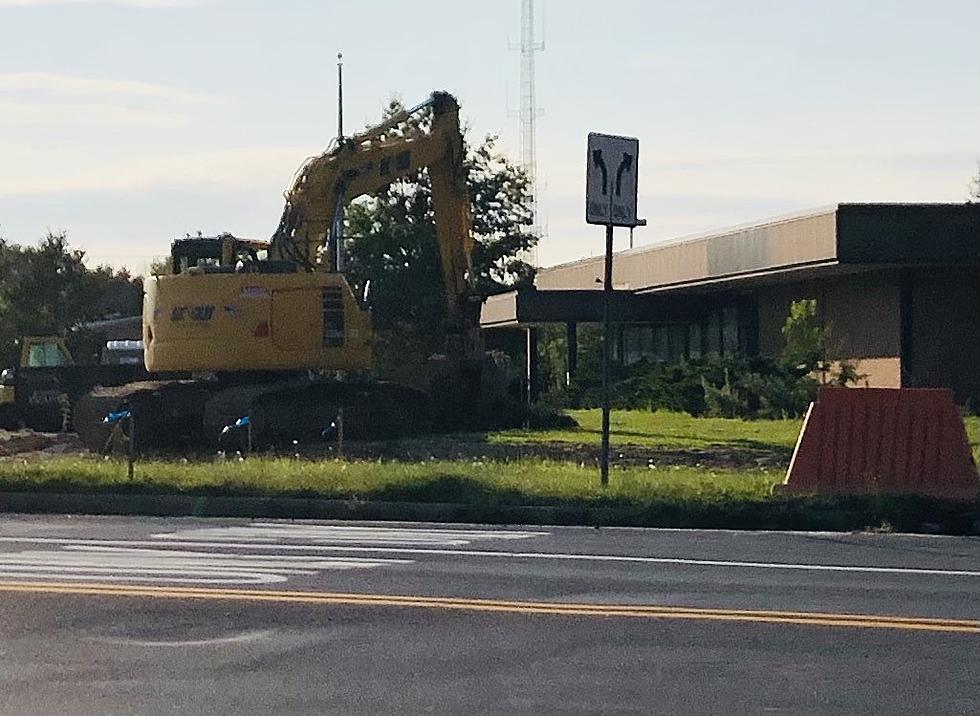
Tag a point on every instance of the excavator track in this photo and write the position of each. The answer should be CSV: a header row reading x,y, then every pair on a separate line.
x,y
191,414
166,414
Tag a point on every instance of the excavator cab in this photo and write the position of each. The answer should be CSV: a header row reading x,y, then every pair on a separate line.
x,y
217,254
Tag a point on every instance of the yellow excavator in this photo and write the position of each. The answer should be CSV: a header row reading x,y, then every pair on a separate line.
x,y
261,331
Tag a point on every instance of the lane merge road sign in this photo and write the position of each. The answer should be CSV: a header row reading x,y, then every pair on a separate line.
x,y
610,180
612,164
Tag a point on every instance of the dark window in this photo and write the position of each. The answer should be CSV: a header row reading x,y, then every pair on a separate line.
x,y
646,342
333,317
632,344
729,330
661,344
712,341
678,342
694,341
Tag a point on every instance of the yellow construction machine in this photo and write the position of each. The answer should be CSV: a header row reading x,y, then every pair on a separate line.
x,y
261,331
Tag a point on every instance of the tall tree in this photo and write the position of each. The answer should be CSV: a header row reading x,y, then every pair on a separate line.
x,y
393,250
47,289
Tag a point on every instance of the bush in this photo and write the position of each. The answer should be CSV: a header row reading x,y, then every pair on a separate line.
x,y
732,387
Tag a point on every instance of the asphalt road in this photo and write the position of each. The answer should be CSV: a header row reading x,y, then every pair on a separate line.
x,y
153,616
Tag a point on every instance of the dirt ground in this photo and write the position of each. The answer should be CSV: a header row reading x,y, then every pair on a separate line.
x,y
452,448
25,444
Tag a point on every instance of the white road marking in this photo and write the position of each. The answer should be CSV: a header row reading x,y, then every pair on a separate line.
x,y
333,534
131,564
558,556
213,562
218,641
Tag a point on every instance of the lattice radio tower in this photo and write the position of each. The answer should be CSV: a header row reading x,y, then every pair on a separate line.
x,y
528,114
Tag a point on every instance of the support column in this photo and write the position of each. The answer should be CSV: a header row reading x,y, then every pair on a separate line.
x,y
530,364
571,352
907,370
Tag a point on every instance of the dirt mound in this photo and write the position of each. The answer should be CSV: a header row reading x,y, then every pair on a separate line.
x,y
452,448
22,442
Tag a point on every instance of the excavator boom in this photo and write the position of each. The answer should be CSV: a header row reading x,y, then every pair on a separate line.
x,y
370,161
295,310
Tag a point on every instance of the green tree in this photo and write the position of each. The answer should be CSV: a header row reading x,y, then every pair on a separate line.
x,y
808,346
806,337
47,289
393,255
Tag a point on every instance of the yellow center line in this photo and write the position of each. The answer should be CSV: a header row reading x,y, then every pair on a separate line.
x,y
863,621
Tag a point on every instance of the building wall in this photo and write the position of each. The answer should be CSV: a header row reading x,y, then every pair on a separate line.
x,y
944,330
863,310
941,307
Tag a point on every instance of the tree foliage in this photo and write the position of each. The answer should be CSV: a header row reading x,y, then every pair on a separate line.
x,y
393,251
806,337
47,289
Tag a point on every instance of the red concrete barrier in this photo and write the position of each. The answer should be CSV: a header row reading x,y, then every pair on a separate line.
x,y
883,441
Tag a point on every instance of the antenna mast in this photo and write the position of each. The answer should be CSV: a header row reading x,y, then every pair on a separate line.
x,y
340,95
529,113
335,241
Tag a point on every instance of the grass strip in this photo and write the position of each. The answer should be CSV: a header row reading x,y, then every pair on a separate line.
x,y
673,497
665,429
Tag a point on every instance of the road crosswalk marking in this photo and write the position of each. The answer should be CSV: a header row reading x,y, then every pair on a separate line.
x,y
342,534
81,562
214,555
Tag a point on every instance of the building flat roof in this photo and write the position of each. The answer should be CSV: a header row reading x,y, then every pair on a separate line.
x,y
854,234
834,240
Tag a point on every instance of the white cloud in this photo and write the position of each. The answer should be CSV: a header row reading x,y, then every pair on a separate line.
x,y
34,114
71,86
136,3
28,173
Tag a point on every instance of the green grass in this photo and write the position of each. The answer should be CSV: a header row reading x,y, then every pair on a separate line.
x,y
519,482
680,431
493,492
664,429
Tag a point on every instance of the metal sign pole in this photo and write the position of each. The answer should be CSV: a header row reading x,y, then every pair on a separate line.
x,y
610,200
607,288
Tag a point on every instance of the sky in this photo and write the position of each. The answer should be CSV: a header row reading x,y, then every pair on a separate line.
x,y
130,122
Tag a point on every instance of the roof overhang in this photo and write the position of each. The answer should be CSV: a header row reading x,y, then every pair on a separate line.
x,y
835,239
528,307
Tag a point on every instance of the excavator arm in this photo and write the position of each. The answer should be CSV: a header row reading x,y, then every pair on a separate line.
x,y
368,162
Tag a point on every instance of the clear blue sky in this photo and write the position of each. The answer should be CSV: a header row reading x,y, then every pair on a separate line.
x,y
129,122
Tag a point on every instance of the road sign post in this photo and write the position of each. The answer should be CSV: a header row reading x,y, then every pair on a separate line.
x,y
610,199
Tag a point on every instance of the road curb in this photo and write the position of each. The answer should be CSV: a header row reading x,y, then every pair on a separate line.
x,y
300,508
773,518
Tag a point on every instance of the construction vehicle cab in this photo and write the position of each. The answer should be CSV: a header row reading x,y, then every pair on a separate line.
x,y
44,352
216,254
41,391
